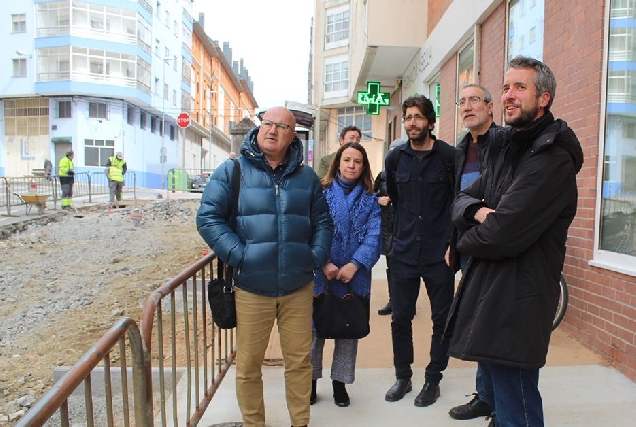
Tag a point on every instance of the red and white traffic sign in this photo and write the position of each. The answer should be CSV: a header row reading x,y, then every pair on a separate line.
x,y
183,120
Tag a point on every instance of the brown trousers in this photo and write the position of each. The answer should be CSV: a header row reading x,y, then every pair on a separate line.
x,y
255,315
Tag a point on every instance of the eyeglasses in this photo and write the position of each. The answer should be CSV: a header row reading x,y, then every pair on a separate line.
x,y
416,117
474,100
266,124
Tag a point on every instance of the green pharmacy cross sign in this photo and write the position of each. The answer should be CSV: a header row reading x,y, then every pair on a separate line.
x,y
373,98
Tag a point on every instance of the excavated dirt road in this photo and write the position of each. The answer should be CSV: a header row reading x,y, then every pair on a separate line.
x,y
63,284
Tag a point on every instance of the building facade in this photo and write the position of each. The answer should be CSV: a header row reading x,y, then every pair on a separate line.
x,y
100,77
591,47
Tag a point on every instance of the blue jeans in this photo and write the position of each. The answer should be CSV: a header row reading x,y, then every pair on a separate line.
x,y
405,288
513,394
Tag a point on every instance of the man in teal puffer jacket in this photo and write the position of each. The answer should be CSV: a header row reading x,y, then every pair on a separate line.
x,y
283,233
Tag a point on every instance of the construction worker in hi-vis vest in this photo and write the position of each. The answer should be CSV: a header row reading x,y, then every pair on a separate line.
x,y
66,175
115,170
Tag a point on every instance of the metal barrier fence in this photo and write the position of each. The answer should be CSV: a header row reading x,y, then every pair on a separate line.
x,y
187,342
176,334
86,184
57,398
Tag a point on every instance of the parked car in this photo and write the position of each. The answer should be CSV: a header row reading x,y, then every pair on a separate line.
x,y
198,182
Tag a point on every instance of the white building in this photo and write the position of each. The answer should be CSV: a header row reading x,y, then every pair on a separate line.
x,y
97,79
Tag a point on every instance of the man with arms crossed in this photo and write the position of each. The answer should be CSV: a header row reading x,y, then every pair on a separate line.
x,y
515,220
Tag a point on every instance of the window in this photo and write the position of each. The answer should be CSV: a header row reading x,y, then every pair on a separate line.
x,y
166,90
465,74
26,116
142,120
617,233
623,9
354,116
337,77
174,97
130,115
337,25
97,67
525,33
97,151
19,67
63,109
622,44
97,110
18,23
173,133
153,124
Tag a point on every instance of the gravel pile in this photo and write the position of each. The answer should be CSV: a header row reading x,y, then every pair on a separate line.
x,y
78,264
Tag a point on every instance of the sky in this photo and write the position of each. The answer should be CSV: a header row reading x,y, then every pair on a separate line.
x,y
273,39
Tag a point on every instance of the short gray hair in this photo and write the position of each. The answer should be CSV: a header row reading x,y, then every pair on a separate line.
x,y
544,79
487,95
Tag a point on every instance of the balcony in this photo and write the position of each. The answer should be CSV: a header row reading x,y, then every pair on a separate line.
x,y
390,36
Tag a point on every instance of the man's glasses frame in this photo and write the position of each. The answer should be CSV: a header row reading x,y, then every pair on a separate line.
x,y
474,100
266,124
416,117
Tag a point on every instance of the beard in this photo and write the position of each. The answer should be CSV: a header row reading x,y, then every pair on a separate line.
x,y
526,117
418,139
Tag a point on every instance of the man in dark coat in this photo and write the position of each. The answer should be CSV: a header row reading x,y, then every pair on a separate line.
x,y
515,220
474,152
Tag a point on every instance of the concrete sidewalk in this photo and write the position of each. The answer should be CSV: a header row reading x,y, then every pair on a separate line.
x,y
578,389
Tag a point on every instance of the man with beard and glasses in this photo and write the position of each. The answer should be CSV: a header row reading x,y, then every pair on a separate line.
x,y
515,219
420,184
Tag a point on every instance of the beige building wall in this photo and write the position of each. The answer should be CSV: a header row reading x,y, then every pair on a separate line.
x,y
372,25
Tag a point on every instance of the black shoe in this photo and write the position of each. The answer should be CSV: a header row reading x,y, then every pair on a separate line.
x,y
473,409
340,395
387,309
492,421
313,397
428,395
398,390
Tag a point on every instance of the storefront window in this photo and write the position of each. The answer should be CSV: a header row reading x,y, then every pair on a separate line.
x,y
618,203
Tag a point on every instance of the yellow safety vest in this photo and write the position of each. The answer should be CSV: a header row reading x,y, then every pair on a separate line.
x,y
66,165
116,170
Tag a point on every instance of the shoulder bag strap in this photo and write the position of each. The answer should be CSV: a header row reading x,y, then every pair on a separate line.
x,y
236,187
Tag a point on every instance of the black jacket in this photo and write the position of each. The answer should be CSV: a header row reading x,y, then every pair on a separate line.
x,y
494,137
506,301
421,193
379,187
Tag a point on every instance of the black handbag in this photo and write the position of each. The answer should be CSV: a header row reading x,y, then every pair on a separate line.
x,y
341,316
221,289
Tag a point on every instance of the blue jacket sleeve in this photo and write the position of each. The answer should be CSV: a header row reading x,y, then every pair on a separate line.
x,y
322,225
213,217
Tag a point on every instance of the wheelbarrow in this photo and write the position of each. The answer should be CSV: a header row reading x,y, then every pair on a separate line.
x,y
30,200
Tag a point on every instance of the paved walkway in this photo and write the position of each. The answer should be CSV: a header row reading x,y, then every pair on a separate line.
x,y
578,388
